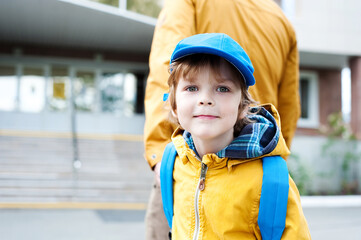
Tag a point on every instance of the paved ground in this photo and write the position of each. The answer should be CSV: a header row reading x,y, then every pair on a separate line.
x,y
81,224
334,223
20,224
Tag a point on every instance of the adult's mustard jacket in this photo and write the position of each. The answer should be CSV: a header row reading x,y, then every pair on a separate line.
x,y
259,26
227,205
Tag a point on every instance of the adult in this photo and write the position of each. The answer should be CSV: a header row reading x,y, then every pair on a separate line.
x,y
262,30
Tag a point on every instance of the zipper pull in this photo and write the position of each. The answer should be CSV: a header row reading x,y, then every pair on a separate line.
x,y
202,182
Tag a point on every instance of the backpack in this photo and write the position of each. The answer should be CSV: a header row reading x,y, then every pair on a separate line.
x,y
274,193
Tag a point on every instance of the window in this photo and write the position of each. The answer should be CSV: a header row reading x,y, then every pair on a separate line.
x,y
130,93
118,92
111,92
146,7
8,88
309,100
288,7
279,2
58,91
305,98
84,91
37,87
32,90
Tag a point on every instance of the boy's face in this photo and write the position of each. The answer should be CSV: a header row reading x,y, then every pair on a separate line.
x,y
208,107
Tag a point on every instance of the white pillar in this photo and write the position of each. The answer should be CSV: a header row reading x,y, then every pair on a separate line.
x,y
123,4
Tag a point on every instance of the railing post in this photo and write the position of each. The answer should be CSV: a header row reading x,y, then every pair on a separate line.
x,y
123,4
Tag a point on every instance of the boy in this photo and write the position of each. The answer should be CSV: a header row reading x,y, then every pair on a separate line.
x,y
220,143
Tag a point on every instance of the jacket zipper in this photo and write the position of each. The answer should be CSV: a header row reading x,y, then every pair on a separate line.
x,y
200,187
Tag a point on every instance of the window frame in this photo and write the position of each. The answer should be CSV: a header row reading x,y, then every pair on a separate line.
x,y
313,108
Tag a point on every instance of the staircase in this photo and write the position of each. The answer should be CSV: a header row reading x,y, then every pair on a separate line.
x,y
40,169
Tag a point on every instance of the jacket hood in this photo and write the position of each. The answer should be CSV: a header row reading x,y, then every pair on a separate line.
x,y
260,138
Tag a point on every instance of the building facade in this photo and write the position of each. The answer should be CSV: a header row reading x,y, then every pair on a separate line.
x,y
58,58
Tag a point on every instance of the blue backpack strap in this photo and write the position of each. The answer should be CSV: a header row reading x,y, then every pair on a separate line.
x,y
274,198
166,181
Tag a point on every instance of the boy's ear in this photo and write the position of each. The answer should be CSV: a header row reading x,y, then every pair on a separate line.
x,y
174,113
242,114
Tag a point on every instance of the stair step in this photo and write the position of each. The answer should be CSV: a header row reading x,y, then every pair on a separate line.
x,y
34,169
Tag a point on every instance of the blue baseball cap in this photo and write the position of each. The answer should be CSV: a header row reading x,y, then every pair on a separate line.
x,y
219,44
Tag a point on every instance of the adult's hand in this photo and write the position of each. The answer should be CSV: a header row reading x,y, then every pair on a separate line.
x,y
157,171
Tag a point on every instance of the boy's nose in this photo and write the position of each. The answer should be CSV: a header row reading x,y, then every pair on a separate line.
x,y
205,102
206,99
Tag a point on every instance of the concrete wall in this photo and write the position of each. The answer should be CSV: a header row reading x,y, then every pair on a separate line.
x,y
88,123
326,26
319,172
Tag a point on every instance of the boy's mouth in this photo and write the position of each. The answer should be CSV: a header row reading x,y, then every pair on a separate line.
x,y
206,117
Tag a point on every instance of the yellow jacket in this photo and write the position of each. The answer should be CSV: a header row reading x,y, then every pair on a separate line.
x,y
227,207
261,29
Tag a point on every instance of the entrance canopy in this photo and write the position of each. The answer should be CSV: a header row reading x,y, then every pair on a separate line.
x,y
75,24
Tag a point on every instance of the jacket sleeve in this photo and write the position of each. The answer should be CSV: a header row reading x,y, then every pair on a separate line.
x,y
296,224
288,95
176,21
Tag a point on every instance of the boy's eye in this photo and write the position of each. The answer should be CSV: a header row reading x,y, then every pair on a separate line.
x,y
192,89
222,89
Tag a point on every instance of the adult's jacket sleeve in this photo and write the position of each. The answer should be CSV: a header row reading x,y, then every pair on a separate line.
x,y
176,21
288,96
296,224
